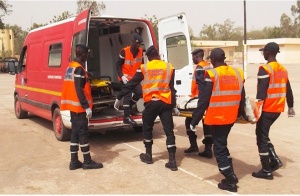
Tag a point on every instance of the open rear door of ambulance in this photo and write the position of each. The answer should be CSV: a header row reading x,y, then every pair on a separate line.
x,y
175,47
81,29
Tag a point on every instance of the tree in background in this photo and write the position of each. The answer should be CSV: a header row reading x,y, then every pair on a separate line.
x,y
223,32
96,8
4,10
154,22
63,16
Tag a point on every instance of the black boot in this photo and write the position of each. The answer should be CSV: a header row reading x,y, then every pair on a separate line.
x,y
265,172
91,165
193,141
88,163
229,183
207,153
275,162
147,157
172,162
127,119
75,163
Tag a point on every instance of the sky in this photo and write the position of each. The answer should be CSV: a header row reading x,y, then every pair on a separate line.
x,y
259,13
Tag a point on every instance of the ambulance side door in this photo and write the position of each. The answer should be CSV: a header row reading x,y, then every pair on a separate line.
x,y
175,47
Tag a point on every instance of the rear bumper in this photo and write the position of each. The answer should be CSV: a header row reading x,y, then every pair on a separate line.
x,y
108,123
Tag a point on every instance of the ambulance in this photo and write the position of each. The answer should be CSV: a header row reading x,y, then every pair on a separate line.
x,y
48,50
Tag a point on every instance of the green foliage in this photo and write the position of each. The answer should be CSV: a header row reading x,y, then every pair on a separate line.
x,y
223,32
154,22
95,7
36,25
4,10
63,16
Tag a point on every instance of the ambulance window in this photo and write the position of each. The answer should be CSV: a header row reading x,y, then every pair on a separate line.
x,y
23,58
177,51
78,38
55,54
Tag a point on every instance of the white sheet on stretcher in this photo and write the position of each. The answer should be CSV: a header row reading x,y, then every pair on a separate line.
x,y
186,103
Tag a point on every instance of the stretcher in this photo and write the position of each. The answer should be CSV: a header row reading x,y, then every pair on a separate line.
x,y
186,106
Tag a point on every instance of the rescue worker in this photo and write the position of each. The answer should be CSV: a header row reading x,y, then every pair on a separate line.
x,y
129,60
197,87
76,97
159,95
273,89
223,99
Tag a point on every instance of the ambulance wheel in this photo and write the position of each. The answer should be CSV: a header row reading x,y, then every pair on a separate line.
x,y
60,131
19,112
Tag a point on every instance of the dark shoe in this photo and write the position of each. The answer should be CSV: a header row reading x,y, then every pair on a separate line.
x,y
227,185
206,153
129,120
75,165
146,158
191,150
263,174
234,179
91,165
171,165
275,165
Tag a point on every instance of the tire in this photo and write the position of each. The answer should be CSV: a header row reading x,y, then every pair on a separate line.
x,y
60,131
19,112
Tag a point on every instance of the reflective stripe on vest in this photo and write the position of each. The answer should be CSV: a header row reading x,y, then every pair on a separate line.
x,y
276,93
226,95
131,64
194,87
157,76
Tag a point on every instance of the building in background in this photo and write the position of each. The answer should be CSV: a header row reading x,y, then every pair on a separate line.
x,y
289,50
6,43
227,46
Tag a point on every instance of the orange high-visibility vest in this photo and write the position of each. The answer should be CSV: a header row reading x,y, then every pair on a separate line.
x,y
194,89
155,85
69,98
276,93
131,64
226,95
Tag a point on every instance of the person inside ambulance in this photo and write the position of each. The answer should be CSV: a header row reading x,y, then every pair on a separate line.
x,y
77,98
159,94
129,60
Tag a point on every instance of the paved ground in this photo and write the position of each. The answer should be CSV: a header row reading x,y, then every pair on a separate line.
x,y
34,162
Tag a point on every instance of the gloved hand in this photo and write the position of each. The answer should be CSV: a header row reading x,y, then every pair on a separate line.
x,y
124,79
291,112
117,104
88,113
176,112
258,108
193,128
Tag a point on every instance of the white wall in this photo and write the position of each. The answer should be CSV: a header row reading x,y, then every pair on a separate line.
x,y
289,50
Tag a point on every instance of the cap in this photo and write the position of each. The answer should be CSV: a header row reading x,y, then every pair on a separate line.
x,y
150,49
217,53
83,47
271,47
197,51
137,38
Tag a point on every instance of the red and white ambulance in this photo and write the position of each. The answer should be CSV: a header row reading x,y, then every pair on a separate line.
x,y
48,50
